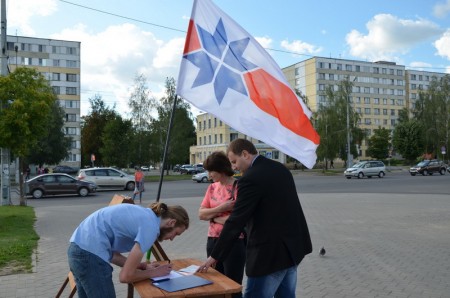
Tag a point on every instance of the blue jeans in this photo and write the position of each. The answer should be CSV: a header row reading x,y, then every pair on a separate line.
x,y
280,284
93,276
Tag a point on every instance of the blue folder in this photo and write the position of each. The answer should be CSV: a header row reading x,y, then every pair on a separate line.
x,y
182,283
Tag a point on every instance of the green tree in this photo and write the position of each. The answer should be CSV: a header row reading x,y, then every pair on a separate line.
x,y
183,130
92,129
379,143
115,151
432,110
53,147
331,124
142,105
28,98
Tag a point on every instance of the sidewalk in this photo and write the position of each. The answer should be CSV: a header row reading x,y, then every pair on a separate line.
x,y
377,246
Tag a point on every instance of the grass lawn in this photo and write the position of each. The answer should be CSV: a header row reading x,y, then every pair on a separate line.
x,y
18,239
174,177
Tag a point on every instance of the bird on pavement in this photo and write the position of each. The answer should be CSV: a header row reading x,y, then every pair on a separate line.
x,y
322,252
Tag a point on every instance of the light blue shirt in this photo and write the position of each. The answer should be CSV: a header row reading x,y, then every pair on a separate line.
x,y
116,229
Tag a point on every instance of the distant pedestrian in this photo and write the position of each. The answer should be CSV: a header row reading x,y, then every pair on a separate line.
x,y
331,164
139,184
27,173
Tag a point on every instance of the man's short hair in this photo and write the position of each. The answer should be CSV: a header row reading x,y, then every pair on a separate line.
x,y
239,145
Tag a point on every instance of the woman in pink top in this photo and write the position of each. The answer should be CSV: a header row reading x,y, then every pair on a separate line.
x,y
216,208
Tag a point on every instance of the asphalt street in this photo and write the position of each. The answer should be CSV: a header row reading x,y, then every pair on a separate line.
x,y
383,237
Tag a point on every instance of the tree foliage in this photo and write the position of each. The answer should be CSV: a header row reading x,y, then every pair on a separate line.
x,y
432,110
93,126
379,143
27,101
115,150
53,147
331,123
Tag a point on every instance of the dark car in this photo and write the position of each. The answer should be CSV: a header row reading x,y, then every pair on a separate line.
x,y
190,170
65,169
58,184
428,167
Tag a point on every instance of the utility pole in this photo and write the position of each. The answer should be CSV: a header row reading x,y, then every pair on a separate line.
x,y
349,154
5,191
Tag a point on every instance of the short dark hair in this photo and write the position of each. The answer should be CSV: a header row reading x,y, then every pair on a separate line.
x,y
239,145
218,162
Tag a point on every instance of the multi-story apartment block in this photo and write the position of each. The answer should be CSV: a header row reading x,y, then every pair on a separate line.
x,y
59,62
380,89
214,135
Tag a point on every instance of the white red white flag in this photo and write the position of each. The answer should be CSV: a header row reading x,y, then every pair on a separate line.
x,y
226,72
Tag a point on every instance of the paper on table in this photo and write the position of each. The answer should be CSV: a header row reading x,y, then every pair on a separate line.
x,y
189,269
173,274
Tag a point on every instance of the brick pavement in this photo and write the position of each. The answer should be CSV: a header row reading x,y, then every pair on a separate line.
x,y
377,246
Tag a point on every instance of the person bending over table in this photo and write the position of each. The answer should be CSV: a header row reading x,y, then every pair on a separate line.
x,y
104,235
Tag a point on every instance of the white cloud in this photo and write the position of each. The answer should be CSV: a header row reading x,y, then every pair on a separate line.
x,y
111,59
443,45
441,10
420,65
265,42
20,13
389,36
300,47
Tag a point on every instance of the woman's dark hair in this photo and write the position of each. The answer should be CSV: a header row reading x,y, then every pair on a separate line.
x,y
175,212
218,162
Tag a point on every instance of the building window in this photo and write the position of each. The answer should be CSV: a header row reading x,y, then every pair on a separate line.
x,y
367,111
385,101
56,90
209,124
233,136
296,71
204,125
331,77
357,99
367,121
41,48
385,112
392,112
209,138
71,63
366,89
42,62
367,100
357,68
348,67
392,122
399,72
71,117
199,125
204,140
339,66
276,154
321,87
71,131
413,77
55,62
71,77
71,90
384,71
55,76
220,123
215,139
74,145
199,140
71,50
358,110
71,157
376,101
376,70
376,111
321,76
72,104
392,101
25,47
221,139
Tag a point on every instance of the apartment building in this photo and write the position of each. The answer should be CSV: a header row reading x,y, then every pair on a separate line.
x,y
215,135
380,89
59,62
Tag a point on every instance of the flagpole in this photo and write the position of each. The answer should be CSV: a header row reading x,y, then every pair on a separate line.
x,y
166,147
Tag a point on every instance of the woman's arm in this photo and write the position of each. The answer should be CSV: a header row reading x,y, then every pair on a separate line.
x,y
210,213
132,268
221,219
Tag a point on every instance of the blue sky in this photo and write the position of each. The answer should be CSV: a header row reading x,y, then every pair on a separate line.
x,y
414,33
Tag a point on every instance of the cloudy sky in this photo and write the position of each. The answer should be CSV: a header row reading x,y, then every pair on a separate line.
x,y
120,39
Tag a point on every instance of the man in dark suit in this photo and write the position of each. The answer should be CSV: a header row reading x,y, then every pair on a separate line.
x,y
268,206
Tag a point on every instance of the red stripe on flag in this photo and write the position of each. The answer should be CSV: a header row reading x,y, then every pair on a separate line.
x,y
278,100
192,42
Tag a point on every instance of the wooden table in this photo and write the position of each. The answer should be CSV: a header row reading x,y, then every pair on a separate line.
x,y
222,286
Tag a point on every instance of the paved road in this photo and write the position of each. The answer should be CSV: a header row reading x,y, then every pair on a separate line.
x,y
384,237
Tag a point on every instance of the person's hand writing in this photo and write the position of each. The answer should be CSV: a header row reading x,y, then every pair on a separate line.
x,y
160,269
209,263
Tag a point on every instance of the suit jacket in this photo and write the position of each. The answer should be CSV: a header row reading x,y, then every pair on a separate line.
x,y
268,206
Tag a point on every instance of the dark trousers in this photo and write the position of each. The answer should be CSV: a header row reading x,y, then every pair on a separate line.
x,y
233,265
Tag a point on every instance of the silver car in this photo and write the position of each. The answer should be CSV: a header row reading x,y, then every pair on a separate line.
x,y
366,168
107,178
201,177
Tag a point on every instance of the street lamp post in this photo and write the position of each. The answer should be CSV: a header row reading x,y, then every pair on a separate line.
x,y
349,154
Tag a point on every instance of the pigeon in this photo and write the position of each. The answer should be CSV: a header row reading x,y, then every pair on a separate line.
x,y
322,252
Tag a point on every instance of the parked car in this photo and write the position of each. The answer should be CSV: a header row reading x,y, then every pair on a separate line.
x,y
201,177
176,168
107,178
190,170
145,168
58,184
366,168
428,167
199,168
65,169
